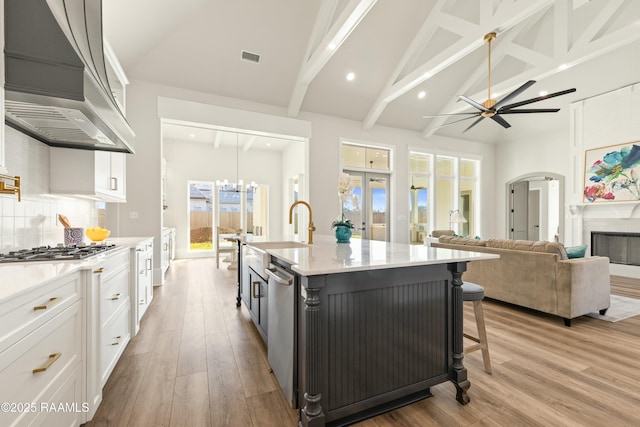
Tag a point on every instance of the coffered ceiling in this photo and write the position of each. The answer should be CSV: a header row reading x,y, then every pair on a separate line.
x,y
395,48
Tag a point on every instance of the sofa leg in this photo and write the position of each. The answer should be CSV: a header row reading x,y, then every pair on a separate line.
x,y
567,322
603,311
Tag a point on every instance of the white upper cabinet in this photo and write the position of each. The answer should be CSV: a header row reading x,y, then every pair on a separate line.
x,y
97,174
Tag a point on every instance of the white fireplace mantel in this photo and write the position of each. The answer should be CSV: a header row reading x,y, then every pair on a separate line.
x,y
613,216
612,210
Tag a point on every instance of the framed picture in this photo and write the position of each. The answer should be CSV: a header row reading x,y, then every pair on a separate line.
x,y
612,173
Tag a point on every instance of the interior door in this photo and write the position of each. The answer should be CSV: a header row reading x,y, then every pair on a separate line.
x,y
533,231
370,211
518,210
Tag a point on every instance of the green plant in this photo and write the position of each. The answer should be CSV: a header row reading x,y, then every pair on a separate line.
x,y
343,221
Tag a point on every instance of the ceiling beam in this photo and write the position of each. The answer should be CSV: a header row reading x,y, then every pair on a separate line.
x,y
610,8
507,15
324,46
576,55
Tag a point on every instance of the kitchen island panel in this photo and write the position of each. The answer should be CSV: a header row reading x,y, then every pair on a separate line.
x,y
370,341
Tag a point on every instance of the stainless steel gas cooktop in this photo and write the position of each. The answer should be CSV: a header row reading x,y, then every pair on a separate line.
x,y
55,253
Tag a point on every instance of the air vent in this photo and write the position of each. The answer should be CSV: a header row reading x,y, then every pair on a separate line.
x,y
248,56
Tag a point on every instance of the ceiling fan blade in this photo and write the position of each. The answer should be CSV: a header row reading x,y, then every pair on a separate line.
x,y
502,122
473,124
456,121
473,103
514,94
540,98
449,115
530,110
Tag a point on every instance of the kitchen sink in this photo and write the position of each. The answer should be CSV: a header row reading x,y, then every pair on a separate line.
x,y
256,255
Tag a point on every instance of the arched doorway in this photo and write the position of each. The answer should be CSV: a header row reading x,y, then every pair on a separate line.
x,y
535,207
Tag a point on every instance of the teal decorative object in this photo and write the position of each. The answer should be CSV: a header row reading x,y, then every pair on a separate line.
x,y
576,251
343,233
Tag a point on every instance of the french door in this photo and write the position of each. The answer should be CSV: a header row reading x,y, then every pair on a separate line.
x,y
370,210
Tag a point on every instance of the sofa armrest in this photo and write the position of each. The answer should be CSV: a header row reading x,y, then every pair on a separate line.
x,y
583,286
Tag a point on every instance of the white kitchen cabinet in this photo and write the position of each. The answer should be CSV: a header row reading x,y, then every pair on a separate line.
x,y
41,354
111,171
108,321
98,174
168,249
141,281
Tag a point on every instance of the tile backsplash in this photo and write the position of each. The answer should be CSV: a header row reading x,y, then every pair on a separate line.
x,y
33,221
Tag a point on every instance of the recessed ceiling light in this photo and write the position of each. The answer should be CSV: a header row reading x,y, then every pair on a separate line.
x,y
332,46
422,94
351,76
427,75
268,144
563,66
543,93
192,135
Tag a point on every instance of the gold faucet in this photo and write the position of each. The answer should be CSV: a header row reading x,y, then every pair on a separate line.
x,y
311,227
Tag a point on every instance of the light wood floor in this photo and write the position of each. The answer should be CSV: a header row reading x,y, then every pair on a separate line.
x,y
198,361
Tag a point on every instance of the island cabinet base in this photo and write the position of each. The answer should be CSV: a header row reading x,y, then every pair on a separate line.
x,y
372,341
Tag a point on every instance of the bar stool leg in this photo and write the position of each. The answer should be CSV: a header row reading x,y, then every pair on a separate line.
x,y
482,335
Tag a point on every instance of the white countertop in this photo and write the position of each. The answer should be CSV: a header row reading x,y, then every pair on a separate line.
x,y
327,257
19,277
127,241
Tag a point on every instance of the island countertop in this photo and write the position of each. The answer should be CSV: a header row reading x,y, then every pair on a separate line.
x,y
327,257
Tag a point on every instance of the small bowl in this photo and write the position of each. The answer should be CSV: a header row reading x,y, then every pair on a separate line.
x,y
97,234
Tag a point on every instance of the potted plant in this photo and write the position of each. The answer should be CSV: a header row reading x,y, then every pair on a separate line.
x,y
343,226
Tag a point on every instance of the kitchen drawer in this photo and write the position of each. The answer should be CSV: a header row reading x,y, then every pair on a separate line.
x,y
114,338
24,314
112,264
114,292
66,407
55,349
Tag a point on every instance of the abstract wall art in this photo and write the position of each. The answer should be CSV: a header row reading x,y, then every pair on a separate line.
x,y
612,173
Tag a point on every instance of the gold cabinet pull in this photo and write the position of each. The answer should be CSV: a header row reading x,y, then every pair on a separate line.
x,y
46,305
116,297
253,289
52,358
98,271
117,342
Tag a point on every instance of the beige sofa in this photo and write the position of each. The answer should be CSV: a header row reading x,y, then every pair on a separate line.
x,y
537,275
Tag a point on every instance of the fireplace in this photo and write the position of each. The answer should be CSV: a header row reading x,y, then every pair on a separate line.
x,y
620,247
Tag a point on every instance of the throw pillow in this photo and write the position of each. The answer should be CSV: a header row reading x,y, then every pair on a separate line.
x,y
576,251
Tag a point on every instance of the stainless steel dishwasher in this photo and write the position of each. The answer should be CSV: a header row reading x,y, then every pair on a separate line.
x,y
281,344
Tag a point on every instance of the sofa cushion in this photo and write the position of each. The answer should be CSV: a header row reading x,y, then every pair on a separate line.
x,y
576,251
467,241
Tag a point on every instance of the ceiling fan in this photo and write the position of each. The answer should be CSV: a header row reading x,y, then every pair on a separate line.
x,y
495,109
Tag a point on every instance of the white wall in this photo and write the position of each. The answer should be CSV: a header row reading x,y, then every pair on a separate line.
x,y
542,152
324,167
608,119
33,221
188,161
144,169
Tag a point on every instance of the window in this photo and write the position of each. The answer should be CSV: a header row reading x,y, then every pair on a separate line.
x,y
369,168
227,206
450,192
420,173
200,216
363,157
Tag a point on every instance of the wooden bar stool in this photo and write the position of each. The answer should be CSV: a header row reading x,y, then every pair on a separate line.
x,y
475,293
